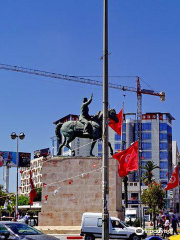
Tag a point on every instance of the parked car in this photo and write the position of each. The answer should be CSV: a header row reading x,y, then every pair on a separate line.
x,y
91,228
4,218
16,231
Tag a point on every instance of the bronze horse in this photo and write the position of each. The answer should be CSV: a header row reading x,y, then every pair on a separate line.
x,y
72,129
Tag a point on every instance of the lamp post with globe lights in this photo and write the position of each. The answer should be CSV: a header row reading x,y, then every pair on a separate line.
x,y
21,137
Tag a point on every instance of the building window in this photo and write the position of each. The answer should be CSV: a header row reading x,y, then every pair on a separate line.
x,y
164,155
164,165
163,136
117,146
169,129
146,155
146,146
143,163
163,126
146,136
163,184
146,126
135,184
134,196
117,137
99,154
163,146
163,175
99,146
124,127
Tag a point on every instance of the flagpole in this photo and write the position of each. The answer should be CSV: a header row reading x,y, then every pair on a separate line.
x,y
105,155
122,148
179,181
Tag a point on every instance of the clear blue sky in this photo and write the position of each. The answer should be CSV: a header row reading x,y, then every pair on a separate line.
x,y
65,36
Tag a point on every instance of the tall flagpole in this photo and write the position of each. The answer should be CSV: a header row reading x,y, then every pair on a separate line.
x,y
105,155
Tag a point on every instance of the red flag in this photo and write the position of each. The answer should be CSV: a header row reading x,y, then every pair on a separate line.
x,y
128,160
117,126
174,180
32,193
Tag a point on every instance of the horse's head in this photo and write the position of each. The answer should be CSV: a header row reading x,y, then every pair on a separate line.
x,y
113,115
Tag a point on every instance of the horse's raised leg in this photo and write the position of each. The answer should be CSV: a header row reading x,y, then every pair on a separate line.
x,y
92,147
68,141
60,147
111,149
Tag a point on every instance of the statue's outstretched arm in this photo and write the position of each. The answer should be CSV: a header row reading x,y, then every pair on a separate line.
x,y
89,101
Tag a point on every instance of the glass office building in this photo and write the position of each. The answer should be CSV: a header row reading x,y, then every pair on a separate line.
x,y
156,143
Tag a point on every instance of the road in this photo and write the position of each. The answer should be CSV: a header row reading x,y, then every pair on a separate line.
x,y
75,237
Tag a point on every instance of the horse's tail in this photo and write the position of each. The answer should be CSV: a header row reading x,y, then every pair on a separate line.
x,y
57,131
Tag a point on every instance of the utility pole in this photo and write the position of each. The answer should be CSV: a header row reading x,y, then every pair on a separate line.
x,y
105,156
179,180
139,122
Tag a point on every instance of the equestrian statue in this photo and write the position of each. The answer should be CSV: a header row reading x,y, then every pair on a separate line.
x,y
86,127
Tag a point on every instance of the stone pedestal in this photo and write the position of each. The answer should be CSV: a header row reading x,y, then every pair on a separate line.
x,y
82,194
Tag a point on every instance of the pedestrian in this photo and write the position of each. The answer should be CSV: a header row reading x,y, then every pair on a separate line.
x,y
166,226
178,220
162,223
26,217
174,224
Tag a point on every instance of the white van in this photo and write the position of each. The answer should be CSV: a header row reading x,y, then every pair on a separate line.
x,y
91,228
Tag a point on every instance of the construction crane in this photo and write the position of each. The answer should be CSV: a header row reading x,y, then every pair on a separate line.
x,y
83,80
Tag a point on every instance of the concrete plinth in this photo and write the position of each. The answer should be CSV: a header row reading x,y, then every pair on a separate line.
x,y
82,194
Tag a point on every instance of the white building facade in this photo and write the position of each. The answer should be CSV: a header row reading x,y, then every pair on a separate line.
x,y
36,169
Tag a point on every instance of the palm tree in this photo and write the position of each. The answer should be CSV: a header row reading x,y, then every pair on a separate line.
x,y
148,175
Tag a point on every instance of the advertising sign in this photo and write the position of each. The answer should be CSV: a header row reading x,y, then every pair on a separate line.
x,y
24,159
8,158
42,153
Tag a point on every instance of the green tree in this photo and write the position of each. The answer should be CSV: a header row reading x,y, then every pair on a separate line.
x,y
39,193
3,196
148,175
22,200
10,209
154,198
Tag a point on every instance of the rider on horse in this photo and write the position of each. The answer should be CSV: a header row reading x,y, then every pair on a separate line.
x,y
84,116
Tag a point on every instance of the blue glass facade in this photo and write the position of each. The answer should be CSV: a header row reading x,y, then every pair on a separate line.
x,y
150,134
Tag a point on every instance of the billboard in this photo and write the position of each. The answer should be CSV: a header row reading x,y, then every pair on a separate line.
x,y
8,158
42,153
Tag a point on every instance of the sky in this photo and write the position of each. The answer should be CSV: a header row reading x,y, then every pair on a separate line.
x,y
66,36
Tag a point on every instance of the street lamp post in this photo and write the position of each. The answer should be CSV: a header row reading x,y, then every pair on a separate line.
x,y
14,136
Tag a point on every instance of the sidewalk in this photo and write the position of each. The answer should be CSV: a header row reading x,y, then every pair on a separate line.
x,y
59,229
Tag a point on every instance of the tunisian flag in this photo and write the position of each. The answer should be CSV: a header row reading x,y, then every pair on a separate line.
x,y
32,193
128,160
117,126
174,180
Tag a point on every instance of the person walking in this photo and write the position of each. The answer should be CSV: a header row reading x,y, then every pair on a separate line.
x,y
166,226
162,226
26,217
174,224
